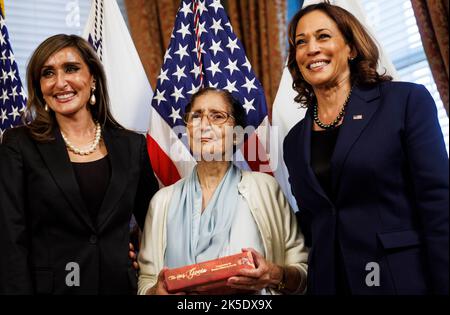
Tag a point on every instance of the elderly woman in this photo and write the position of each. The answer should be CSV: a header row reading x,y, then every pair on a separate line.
x,y
218,210
71,178
367,165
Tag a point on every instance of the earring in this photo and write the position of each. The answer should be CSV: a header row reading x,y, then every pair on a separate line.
x,y
351,58
46,107
92,99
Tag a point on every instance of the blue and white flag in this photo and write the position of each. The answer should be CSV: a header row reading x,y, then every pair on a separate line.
x,y
129,90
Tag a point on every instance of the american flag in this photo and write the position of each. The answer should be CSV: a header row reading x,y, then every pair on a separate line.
x,y
203,52
12,95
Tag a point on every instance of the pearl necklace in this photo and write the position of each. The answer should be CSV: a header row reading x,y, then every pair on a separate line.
x,y
92,147
338,118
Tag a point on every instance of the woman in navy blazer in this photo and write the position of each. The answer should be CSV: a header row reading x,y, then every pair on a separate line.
x,y
70,180
367,165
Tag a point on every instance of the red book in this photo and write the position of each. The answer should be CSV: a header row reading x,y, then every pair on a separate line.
x,y
208,277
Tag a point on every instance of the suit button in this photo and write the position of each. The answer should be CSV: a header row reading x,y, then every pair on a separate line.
x,y
93,239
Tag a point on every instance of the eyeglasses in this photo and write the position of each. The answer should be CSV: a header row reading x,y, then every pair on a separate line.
x,y
214,117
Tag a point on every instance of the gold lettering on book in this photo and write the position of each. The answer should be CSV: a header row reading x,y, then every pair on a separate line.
x,y
224,266
189,274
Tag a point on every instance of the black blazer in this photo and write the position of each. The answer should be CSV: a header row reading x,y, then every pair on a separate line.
x,y
390,181
45,225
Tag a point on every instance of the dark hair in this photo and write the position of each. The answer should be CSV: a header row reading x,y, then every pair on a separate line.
x,y
237,111
363,69
40,122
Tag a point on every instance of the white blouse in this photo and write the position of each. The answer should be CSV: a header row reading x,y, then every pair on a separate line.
x,y
244,232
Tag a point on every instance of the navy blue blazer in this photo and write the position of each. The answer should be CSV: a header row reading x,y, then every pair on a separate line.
x,y
390,181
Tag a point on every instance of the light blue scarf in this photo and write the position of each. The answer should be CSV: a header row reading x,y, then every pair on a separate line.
x,y
193,236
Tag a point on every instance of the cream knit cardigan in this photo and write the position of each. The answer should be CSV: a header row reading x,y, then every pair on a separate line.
x,y
283,242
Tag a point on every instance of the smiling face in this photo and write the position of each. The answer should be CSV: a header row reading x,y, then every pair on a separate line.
x,y
322,54
209,141
66,82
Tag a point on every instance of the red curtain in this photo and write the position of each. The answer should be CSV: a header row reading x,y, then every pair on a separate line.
x,y
151,23
432,20
261,27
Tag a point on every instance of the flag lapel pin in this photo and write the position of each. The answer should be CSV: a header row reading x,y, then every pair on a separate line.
x,y
357,117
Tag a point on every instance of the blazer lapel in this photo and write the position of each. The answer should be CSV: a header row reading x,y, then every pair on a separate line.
x,y
360,111
57,160
305,139
119,156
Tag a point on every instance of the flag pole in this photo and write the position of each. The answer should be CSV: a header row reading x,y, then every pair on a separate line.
x,y
2,7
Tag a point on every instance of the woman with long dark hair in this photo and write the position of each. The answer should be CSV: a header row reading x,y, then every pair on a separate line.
x,y
367,165
70,180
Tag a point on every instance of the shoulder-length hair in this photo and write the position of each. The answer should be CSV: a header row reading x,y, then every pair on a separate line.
x,y
363,69
41,122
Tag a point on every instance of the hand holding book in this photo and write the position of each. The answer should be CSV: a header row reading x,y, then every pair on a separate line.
x,y
265,275
160,288
247,272
209,277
